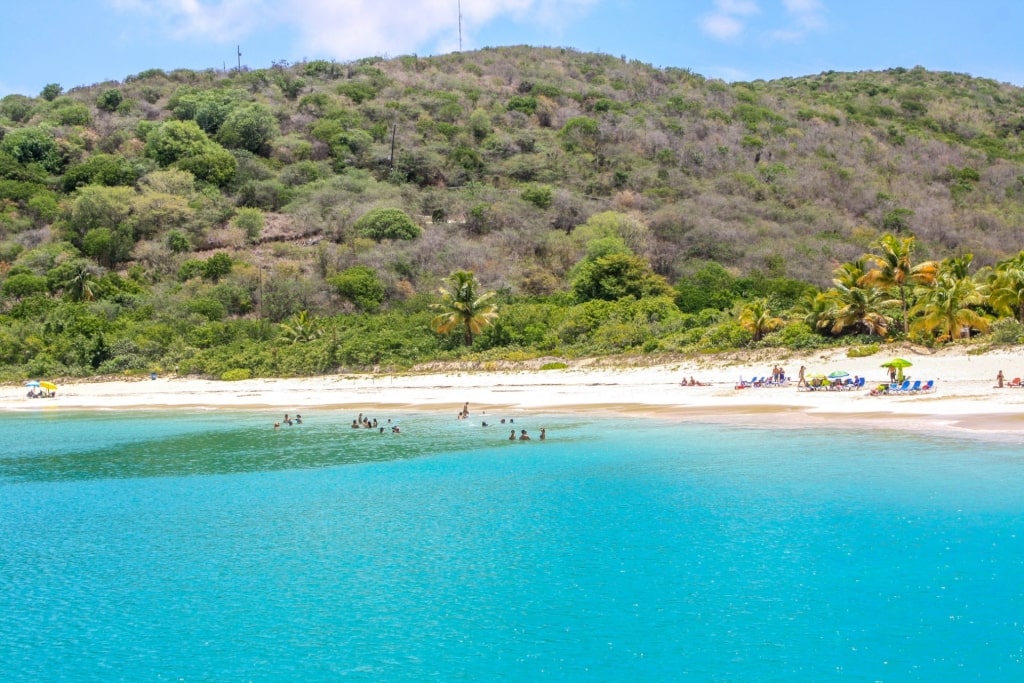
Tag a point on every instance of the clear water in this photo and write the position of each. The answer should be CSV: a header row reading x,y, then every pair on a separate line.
x,y
205,546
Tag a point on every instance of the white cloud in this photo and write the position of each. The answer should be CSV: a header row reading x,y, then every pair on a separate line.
x,y
737,7
807,16
721,26
731,18
225,20
346,29
728,19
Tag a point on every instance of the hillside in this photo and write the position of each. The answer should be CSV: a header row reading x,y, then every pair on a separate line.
x,y
509,161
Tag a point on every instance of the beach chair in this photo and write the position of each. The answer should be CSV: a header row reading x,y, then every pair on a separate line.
x,y
901,388
915,387
860,382
928,386
1015,383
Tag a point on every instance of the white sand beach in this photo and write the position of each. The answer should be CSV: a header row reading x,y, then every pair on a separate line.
x,y
966,399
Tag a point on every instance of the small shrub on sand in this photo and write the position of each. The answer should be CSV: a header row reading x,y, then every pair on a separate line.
x,y
862,351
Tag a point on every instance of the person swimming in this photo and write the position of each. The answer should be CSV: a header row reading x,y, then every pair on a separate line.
x,y
523,436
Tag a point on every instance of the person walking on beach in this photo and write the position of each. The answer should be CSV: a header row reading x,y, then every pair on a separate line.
x,y
801,381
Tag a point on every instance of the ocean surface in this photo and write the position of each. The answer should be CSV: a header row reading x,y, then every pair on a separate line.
x,y
207,546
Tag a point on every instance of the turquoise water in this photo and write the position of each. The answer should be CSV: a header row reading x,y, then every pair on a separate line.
x,y
205,546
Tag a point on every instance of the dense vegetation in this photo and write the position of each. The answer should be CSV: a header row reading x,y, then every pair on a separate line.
x,y
302,219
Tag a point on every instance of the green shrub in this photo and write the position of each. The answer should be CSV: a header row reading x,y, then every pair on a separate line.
x,y
540,196
51,91
236,375
250,127
361,286
862,351
1006,331
357,91
555,365
179,243
387,224
217,266
190,269
251,221
109,100
525,105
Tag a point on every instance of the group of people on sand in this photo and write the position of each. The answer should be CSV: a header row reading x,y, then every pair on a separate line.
x,y
524,436
289,421
692,383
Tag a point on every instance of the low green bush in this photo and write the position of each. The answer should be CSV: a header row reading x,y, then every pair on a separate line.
x,y
862,351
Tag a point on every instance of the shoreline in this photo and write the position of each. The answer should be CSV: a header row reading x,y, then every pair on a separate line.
x,y
965,401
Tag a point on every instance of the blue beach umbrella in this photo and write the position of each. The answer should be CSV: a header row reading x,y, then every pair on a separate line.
x,y
32,383
838,374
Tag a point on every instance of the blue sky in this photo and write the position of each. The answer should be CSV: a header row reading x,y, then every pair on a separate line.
x,y
81,42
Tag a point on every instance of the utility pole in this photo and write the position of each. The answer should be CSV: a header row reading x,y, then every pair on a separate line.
x,y
460,25
238,49
391,160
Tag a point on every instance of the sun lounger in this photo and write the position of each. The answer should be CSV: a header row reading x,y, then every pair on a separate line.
x,y
915,387
901,388
1015,383
928,386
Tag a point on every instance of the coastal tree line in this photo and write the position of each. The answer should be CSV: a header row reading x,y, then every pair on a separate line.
x,y
302,218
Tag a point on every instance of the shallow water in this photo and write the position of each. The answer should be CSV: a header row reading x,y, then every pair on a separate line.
x,y
206,546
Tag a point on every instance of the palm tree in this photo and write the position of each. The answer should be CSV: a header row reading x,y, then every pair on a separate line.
x,y
302,328
756,318
79,281
856,306
894,267
818,310
945,308
1006,287
461,307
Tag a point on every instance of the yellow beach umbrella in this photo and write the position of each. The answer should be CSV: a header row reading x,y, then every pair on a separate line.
x,y
49,386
